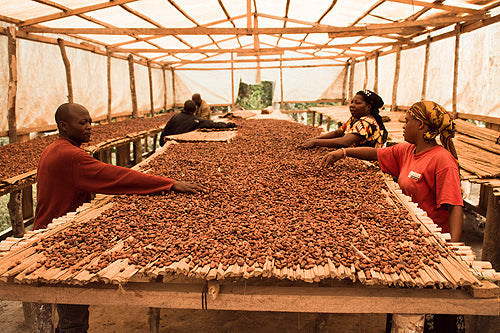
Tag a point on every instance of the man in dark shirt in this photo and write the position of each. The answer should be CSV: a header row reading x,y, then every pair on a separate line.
x,y
186,121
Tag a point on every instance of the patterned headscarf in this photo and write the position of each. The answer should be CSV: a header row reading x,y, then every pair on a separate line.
x,y
439,122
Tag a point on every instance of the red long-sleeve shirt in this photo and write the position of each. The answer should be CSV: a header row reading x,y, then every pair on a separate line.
x,y
67,175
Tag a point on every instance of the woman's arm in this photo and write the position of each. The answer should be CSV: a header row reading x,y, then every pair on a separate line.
x,y
456,222
362,153
309,143
344,141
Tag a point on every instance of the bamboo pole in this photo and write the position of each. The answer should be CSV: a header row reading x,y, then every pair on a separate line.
x,y
458,29
375,82
12,92
344,83
394,105
151,98
135,112
108,75
67,67
365,82
491,245
281,82
173,87
426,67
232,82
351,78
164,88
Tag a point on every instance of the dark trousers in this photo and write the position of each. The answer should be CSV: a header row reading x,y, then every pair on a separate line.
x,y
72,318
437,323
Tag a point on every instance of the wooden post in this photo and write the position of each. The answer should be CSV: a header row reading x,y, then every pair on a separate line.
x,y
351,78
365,82
135,112
394,105
232,81
165,88
67,67
42,317
12,92
458,29
16,215
313,118
402,323
426,67
320,121
375,81
27,192
151,98
108,71
173,87
281,82
154,320
491,245
328,124
137,151
123,155
344,83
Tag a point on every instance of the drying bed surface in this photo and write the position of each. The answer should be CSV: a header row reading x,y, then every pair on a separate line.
x,y
269,210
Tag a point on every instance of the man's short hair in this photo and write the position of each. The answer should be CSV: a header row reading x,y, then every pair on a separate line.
x,y
189,106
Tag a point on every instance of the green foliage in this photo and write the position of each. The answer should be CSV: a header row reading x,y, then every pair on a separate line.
x,y
255,96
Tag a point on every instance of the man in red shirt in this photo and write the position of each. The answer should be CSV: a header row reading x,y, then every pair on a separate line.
x,y
67,177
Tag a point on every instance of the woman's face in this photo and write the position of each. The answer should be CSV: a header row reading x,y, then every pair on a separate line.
x,y
412,129
359,107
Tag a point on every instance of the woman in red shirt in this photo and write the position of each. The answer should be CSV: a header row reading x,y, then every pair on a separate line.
x,y
364,127
426,171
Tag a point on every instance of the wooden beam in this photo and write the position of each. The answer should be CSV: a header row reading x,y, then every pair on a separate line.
x,y
454,112
163,70
367,12
345,82
67,67
9,19
232,83
365,81
352,63
375,80
394,104
249,15
333,31
12,90
281,83
108,79
262,298
253,51
151,98
71,12
448,8
426,67
173,88
251,60
133,94
254,67
486,119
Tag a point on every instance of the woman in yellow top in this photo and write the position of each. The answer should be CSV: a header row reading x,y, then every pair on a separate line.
x,y
363,129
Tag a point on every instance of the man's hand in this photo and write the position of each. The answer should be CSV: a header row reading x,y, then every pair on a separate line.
x,y
332,157
185,187
309,143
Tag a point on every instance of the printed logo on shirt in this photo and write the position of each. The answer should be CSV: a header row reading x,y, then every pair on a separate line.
x,y
413,175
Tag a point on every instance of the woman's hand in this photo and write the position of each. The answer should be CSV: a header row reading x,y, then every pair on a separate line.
x,y
185,187
309,143
332,157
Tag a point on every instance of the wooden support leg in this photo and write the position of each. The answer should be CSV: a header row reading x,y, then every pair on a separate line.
x,y
28,210
123,155
16,213
320,121
106,156
137,151
328,124
491,245
155,140
313,118
402,323
42,315
154,320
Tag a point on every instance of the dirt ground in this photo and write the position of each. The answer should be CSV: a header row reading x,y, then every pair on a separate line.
x,y
115,319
